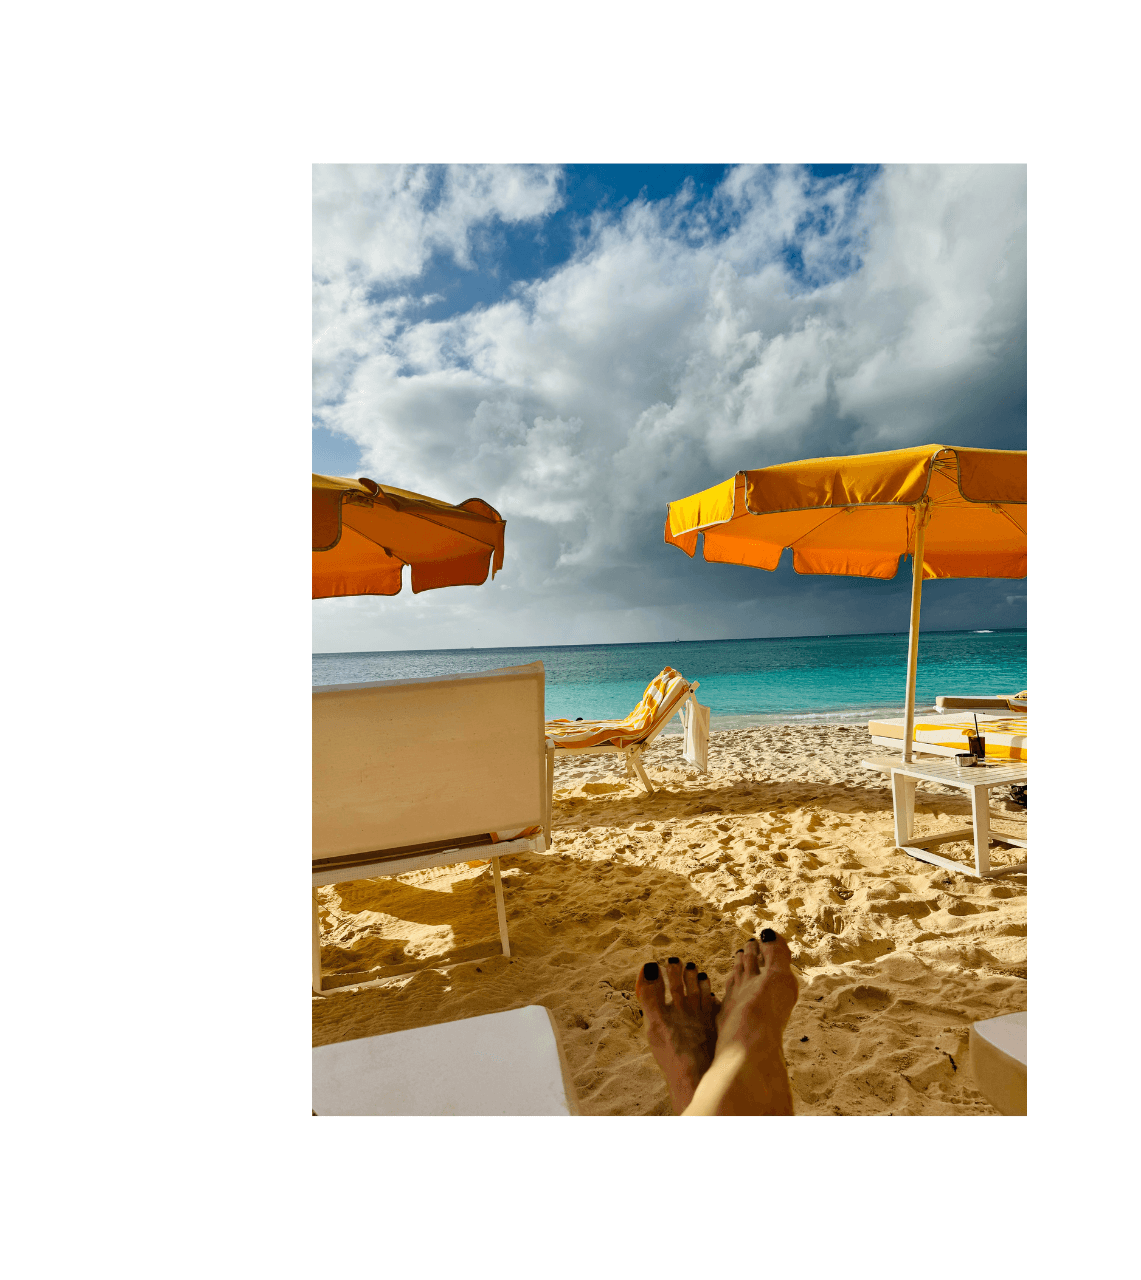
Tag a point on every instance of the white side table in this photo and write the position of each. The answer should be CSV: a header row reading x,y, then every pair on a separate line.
x,y
998,1062
496,1064
978,782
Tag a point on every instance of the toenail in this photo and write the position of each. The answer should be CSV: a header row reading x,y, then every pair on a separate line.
x,y
768,935
650,971
752,939
691,965
740,951
674,960
703,977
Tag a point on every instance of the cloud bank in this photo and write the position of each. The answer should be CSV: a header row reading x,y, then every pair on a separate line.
x,y
784,316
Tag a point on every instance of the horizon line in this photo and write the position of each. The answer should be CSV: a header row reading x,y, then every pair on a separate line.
x,y
604,644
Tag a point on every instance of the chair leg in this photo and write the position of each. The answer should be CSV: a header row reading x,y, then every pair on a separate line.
x,y
632,758
316,944
500,907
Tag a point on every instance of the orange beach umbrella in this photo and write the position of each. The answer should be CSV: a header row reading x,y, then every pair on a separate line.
x,y
960,513
364,534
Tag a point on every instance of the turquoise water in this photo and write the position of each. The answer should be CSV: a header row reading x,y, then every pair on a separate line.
x,y
814,679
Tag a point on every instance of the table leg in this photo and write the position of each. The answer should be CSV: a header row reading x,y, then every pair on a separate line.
x,y
980,812
903,806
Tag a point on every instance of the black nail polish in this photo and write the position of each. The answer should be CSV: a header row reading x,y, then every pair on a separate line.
x,y
691,965
674,960
703,977
752,939
650,971
740,951
768,935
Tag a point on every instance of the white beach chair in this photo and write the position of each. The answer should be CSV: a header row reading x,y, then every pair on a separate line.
x,y
998,1062
667,695
999,702
424,773
499,1064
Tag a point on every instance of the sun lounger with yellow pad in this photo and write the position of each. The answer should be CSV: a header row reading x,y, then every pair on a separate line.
x,y
667,695
947,735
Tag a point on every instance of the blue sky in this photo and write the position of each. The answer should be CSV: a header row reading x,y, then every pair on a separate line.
x,y
579,344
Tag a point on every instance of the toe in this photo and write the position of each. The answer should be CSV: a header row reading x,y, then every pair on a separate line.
x,y
751,961
689,979
674,978
705,993
775,951
650,990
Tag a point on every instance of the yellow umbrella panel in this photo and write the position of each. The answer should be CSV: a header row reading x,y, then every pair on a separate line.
x,y
960,513
365,533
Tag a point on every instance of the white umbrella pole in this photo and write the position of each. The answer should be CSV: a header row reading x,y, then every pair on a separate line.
x,y
913,637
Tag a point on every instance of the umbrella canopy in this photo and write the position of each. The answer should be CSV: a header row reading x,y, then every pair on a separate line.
x,y
364,534
960,513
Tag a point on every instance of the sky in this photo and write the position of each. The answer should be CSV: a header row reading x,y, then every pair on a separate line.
x,y
580,344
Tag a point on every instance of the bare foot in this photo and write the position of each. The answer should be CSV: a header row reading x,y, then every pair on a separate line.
x,y
682,1034
748,1075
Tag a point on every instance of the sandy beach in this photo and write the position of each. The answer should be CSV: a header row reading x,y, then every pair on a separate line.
x,y
895,958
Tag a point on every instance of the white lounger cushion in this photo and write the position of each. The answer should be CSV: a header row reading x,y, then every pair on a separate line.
x,y
998,1060
499,1064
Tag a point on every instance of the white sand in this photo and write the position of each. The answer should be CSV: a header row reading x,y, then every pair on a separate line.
x,y
896,958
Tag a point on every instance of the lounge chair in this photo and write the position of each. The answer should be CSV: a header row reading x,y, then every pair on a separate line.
x,y
1005,734
998,1061
498,1064
421,773
999,702
667,695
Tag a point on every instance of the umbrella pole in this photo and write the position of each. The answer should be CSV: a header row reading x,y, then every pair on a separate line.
x,y
913,636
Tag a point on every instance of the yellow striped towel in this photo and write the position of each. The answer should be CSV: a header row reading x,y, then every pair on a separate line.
x,y
662,697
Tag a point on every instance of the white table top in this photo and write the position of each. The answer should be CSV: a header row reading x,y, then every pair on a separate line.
x,y
950,774
496,1064
1007,1033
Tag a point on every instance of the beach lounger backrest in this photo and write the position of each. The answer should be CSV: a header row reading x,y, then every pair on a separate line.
x,y
967,702
404,763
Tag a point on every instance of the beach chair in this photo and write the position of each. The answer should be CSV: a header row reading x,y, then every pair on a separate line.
x,y
667,695
998,1061
1005,734
428,772
999,702
498,1064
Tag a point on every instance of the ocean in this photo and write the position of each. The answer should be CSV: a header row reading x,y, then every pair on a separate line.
x,y
806,679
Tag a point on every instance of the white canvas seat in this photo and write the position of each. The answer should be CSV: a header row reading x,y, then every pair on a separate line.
x,y
998,1061
499,1064
421,773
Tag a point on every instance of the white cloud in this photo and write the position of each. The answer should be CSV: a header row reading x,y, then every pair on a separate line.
x,y
675,347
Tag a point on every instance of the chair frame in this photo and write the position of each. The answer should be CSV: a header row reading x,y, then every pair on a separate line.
x,y
395,862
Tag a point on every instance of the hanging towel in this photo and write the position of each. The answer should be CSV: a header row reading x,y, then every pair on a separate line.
x,y
697,736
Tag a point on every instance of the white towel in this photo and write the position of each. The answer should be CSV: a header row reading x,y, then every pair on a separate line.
x,y
697,736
